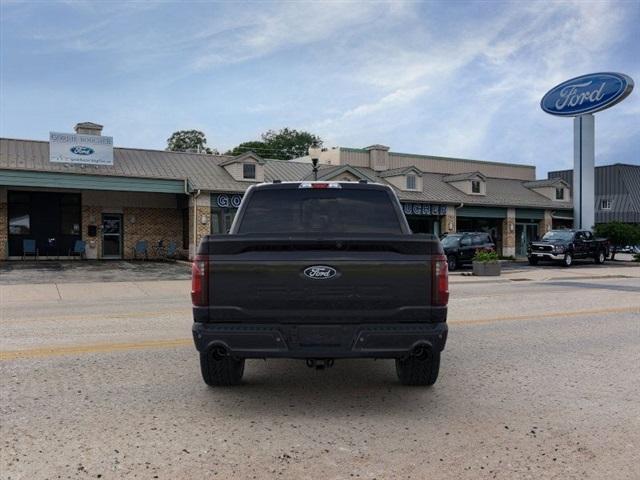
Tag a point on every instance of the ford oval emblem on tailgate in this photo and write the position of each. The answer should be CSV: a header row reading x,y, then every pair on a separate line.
x,y
320,272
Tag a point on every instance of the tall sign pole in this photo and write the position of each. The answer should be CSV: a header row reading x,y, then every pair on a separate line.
x,y
580,97
583,171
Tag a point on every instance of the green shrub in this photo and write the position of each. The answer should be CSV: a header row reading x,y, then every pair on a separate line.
x,y
619,234
482,256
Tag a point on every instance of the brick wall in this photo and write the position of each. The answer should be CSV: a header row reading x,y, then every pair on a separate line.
x,y
202,229
152,225
92,216
545,224
449,220
509,233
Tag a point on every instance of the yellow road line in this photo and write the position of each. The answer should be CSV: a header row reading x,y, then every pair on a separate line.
x,y
543,316
181,342
106,316
97,348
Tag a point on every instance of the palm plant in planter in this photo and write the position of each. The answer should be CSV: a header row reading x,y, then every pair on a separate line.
x,y
486,264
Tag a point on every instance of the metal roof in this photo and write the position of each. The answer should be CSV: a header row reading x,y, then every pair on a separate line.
x,y
463,176
547,182
500,191
393,172
618,183
205,172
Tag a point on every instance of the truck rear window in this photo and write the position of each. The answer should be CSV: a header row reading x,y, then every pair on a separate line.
x,y
321,211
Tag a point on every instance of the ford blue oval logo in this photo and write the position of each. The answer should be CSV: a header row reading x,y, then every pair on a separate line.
x,y
587,94
79,150
320,272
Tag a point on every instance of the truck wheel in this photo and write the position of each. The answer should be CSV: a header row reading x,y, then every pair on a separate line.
x,y
220,371
452,263
533,261
418,370
600,257
568,260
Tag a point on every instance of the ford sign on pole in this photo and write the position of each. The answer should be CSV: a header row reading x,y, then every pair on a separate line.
x,y
580,97
587,94
84,149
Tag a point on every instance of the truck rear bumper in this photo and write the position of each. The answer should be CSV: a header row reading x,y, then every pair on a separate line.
x,y
319,341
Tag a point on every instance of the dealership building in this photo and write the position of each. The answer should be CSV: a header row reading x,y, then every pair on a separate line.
x,y
113,198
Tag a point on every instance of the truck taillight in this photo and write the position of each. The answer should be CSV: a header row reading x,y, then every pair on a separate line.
x,y
200,282
439,281
320,185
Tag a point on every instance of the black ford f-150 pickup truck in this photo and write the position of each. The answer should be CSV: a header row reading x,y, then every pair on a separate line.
x,y
320,271
566,245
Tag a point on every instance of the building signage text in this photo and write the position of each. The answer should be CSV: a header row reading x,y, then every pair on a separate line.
x,y
80,149
228,201
587,94
423,209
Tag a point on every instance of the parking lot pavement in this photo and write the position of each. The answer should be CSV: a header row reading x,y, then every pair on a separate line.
x,y
88,271
539,380
521,271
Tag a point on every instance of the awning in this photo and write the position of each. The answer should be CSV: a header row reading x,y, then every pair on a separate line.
x,y
482,212
30,178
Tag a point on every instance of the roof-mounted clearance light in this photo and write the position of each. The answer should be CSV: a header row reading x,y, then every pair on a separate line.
x,y
320,185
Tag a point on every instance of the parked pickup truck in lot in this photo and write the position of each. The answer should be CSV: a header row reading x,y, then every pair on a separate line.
x,y
566,245
320,271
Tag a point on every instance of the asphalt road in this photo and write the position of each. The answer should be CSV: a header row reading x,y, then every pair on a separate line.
x,y
539,380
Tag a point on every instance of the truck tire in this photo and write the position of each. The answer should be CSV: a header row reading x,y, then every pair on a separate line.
x,y
421,371
568,260
533,260
600,257
220,371
452,263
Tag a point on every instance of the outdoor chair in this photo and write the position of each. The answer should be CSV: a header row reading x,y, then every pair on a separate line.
x,y
172,248
29,248
142,249
79,248
159,249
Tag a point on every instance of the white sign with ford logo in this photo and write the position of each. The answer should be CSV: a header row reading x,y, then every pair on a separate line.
x,y
80,149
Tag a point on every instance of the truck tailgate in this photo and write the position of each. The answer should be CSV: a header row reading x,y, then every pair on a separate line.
x,y
263,279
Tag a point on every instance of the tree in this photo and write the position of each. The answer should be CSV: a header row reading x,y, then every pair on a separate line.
x,y
188,141
288,144
284,144
619,234
257,147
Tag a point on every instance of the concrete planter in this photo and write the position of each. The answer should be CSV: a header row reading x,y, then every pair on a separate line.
x,y
486,269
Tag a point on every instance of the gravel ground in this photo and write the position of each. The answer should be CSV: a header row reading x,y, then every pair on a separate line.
x,y
539,380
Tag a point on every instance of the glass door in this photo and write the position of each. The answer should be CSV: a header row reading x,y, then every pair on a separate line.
x,y
525,233
111,235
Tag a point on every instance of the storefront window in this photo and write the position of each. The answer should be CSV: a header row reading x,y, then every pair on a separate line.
x,y
19,220
221,219
70,219
52,219
19,217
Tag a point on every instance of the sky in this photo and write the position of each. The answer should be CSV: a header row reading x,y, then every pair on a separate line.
x,y
451,78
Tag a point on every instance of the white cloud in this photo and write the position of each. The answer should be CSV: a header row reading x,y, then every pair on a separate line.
x,y
287,25
484,80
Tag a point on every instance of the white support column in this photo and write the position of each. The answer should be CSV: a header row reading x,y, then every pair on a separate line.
x,y
583,171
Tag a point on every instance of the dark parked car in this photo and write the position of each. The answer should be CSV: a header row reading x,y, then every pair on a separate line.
x,y
566,245
461,247
320,271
